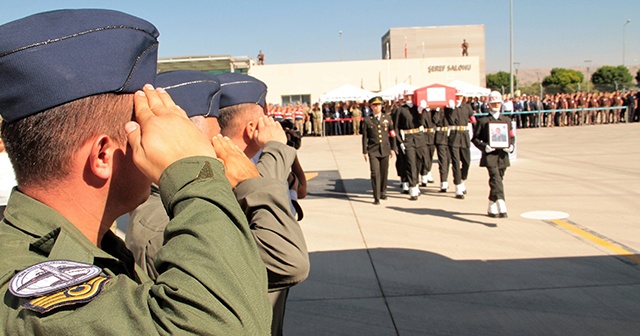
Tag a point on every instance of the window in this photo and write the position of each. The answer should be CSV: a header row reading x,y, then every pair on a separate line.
x,y
292,99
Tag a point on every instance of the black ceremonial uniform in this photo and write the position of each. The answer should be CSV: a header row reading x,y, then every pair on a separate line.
x,y
428,149
401,158
441,141
458,120
409,126
378,144
496,161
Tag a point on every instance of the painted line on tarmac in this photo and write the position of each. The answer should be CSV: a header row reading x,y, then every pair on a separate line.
x,y
623,253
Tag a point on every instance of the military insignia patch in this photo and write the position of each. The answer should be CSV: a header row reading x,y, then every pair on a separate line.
x,y
76,294
51,276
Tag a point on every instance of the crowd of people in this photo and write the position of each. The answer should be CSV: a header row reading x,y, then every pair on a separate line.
x,y
529,111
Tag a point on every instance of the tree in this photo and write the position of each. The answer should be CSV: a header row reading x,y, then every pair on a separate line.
x,y
562,80
500,80
610,75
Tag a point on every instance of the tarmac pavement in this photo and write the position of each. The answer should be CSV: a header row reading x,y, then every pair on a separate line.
x,y
441,266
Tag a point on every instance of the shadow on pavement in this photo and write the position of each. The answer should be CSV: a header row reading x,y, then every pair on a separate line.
x,y
410,292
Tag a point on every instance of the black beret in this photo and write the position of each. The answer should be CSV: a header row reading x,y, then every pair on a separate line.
x,y
376,100
237,88
52,58
196,92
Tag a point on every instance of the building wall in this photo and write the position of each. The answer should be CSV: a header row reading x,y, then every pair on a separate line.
x,y
374,75
437,41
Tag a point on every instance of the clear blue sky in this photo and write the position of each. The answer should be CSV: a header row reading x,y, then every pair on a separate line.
x,y
547,33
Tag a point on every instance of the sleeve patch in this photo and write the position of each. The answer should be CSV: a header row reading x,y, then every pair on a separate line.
x,y
74,295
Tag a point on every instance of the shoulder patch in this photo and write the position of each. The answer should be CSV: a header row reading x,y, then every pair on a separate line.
x,y
74,295
51,276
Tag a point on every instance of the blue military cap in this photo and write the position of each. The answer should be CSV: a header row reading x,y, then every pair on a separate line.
x,y
52,58
196,92
237,88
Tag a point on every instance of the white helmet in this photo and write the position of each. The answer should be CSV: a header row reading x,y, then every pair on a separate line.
x,y
495,97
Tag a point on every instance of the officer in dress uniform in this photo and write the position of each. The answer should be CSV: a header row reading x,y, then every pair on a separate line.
x,y
378,144
495,159
458,118
409,128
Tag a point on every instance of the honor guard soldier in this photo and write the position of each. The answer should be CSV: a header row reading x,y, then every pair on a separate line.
x,y
458,118
495,148
401,158
409,126
70,84
441,141
378,144
429,148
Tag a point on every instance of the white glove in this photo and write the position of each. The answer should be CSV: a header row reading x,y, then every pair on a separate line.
x,y
489,149
402,147
423,104
509,149
452,104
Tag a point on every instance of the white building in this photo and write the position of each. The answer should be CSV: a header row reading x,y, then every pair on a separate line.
x,y
419,56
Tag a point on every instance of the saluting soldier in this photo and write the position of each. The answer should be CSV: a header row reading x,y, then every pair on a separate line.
x,y
495,159
377,145
81,162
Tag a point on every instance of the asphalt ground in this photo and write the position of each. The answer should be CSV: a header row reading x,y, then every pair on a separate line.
x,y
565,261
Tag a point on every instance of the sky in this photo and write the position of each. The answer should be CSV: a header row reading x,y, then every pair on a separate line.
x,y
547,33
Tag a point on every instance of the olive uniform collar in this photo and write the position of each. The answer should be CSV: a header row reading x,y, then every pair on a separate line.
x,y
58,239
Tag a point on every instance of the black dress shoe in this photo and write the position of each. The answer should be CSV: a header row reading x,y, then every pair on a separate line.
x,y
492,215
376,202
460,196
423,184
413,198
443,190
503,215
383,197
405,191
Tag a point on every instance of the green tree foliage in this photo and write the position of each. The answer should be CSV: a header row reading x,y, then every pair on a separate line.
x,y
562,80
500,80
563,77
611,75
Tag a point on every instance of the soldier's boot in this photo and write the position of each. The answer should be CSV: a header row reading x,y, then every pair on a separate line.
x,y
444,186
502,208
429,177
423,181
492,211
405,187
464,187
460,191
414,192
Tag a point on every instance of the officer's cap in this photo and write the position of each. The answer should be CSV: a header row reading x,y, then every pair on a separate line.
x,y
376,100
237,88
196,92
52,58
